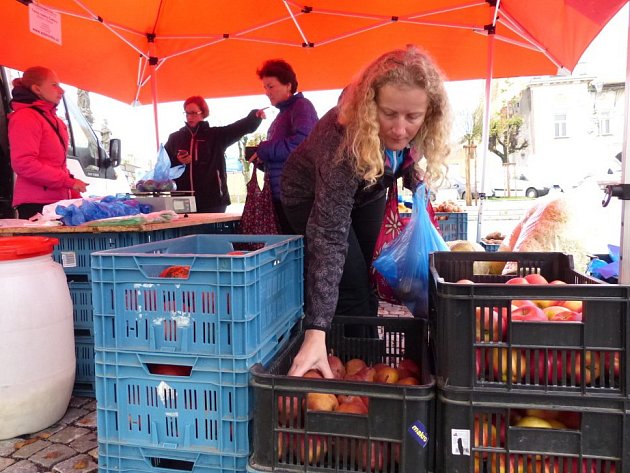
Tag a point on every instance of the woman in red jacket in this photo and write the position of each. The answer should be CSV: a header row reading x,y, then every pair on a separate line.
x,y
38,141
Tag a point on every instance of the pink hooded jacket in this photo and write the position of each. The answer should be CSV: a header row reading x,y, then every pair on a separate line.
x,y
37,156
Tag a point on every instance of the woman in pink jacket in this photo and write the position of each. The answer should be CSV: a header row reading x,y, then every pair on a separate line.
x,y
38,139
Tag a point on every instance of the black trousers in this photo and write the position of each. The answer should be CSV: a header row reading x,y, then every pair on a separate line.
x,y
26,211
356,295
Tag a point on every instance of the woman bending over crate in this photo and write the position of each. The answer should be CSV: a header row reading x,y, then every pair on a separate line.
x,y
334,184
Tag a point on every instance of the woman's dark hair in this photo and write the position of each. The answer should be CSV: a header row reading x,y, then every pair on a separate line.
x,y
281,70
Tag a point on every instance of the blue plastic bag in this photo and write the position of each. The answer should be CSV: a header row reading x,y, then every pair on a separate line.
x,y
404,262
162,177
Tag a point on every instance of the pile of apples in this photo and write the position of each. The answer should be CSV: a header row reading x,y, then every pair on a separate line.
x,y
491,325
489,431
291,409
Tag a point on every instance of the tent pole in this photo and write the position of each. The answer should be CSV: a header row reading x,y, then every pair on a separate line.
x,y
155,106
624,247
485,133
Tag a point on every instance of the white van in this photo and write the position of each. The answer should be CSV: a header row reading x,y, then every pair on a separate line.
x,y
87,160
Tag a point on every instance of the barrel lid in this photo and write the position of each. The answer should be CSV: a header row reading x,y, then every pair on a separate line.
x,y
21,247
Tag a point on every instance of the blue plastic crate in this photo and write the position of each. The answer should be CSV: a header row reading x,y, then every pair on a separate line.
x,y
81,295
84,381
74,249
193,402
453,225
228,305
113,457
491,247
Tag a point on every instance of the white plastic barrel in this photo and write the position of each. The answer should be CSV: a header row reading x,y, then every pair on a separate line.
x,y
37,359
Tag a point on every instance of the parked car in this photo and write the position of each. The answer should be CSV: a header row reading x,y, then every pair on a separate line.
x,y
452,188
522,186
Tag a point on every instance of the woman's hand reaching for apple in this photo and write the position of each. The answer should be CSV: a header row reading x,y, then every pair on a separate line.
x,y
312,355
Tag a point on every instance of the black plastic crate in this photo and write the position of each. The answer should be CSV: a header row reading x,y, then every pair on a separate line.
x,y
397,433
478,345
481,433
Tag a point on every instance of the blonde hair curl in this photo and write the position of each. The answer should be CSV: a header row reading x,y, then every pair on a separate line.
x,y
358,113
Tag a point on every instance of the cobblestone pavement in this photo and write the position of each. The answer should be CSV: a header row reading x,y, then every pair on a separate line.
x,y
70,445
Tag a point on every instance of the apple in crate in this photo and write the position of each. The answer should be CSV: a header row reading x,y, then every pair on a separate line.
x,y
379,456
354,406
407,367
321,402
336,366
529,312
503,363
317,448
387,375
591,367
488,327
536,278
354,365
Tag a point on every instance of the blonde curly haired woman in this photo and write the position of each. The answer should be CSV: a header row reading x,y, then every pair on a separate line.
x,y
334,185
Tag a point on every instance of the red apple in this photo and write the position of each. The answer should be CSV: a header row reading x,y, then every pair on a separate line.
x,y
566,316
289,410
409,381
490,326
591,368
321,402
536,278
485,433
529,313
386,375
465,281
336,366
354,365
410,366
517,281
575,306
355,406
557,281
342,398
554,309
517,364
313,374
317,448
378,453
615,357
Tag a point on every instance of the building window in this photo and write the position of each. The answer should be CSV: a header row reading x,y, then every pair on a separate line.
x,y
603,123
560,125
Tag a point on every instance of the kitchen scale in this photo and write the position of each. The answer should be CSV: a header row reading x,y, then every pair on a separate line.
x,y
181,202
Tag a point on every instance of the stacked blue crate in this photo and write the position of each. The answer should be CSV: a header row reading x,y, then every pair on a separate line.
x,y
177,325
73,253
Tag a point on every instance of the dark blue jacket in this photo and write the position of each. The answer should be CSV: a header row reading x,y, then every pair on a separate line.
x,y
295,121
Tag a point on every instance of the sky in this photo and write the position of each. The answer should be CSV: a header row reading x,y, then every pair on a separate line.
x,y
605,58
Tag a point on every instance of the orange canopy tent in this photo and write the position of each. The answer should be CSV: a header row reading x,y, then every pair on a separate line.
x,y
163,50
212,48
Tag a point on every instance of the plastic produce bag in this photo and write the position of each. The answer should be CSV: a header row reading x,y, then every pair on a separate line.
x,y
161,177
404,262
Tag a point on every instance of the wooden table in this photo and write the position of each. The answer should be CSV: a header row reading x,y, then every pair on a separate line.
x,y
187,220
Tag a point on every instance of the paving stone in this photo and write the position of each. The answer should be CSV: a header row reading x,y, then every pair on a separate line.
x,y
5,462
69,434
47,432
24,466
72,414
87,421
78,401
29,447
7,447
85,443
94,453
52,455
78,464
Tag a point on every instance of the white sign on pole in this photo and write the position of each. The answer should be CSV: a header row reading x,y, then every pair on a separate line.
x,y
45,23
